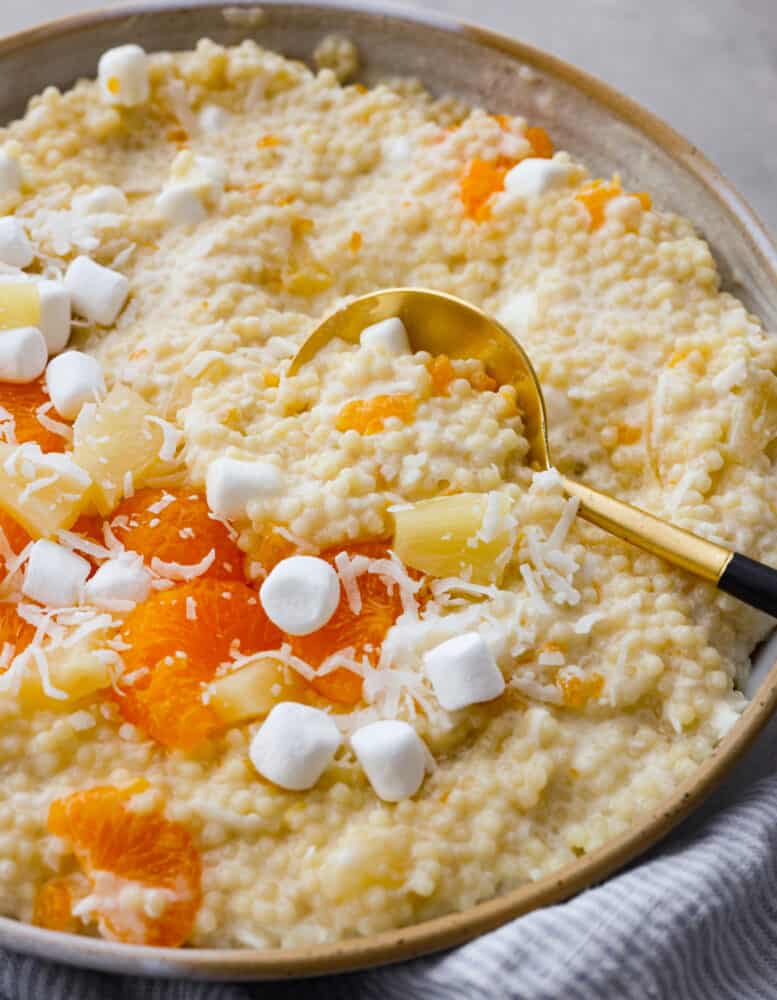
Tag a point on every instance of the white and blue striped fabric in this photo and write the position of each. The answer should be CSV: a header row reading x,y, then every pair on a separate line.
x,y
696,920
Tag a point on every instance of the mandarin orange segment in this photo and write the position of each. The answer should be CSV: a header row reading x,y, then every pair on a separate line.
x,y
14,630
364,632
22,402
120,849
14,534
273,547
442,374
480,181
177,638
170,708
540,142
368,416
177,526
576,691
596,195
54,902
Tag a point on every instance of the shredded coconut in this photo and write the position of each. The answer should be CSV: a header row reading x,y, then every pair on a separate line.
x,y
182,571
171,437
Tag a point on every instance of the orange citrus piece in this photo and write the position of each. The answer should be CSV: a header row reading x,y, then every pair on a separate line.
x,y
368,416
15,535
180,636
273,548
364,632
54,902
22,401
14,630
539,141
442,374
182,531
595,196
576,691
480,181
115,847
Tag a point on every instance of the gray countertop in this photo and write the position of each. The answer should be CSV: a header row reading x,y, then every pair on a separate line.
x,y
708,67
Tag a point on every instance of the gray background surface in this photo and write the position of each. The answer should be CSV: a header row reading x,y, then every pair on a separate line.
x,y
708,67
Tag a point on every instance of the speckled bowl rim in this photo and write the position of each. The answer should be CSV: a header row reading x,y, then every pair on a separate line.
x,y
457,928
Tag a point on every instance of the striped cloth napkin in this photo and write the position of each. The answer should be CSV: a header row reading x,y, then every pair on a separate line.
x,y
697,920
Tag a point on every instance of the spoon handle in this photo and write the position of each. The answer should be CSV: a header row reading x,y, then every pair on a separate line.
x,y
750,581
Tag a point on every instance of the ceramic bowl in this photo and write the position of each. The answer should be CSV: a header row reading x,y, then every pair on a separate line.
x,y
597,124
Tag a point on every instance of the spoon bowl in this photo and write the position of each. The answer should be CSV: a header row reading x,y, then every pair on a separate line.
x,y
443,324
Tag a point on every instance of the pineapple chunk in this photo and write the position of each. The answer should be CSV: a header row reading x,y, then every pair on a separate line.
x,y
19,304
253,690
77,672
42,491
115,437
441,536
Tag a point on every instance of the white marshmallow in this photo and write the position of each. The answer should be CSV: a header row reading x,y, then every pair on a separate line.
x,y
54,575
181,203
72,379
11,177
463,672
300,594
15,246
535,176
389,335
98,293
23,354
103,199
294,746
55,318
231,484
393,757
124,578
212,118
122,74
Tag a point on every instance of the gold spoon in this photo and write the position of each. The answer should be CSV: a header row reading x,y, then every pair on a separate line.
x,y
442,324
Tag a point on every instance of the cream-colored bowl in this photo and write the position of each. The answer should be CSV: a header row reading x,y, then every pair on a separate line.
x,y
606,130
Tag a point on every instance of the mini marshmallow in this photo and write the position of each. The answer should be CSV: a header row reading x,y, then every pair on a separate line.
x,y
98,293
15,246
463,672
231,484
294,746
23,354
72,379
181,204
10,174
124,578
122,74
54,575
103,199
393,757
300,594
55,318
389,335
535,176
212,118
